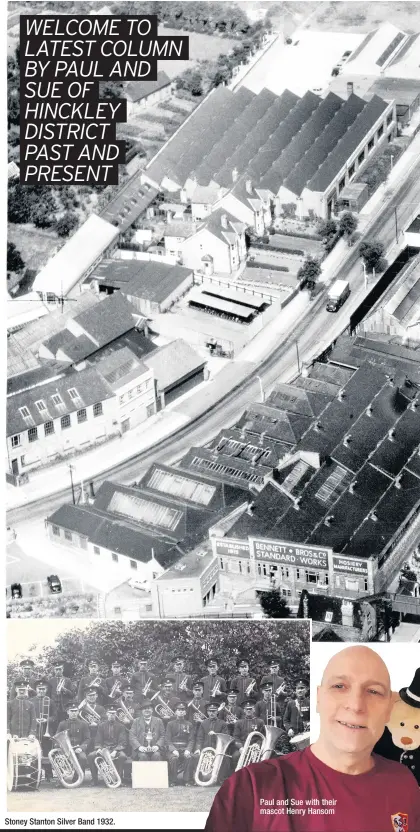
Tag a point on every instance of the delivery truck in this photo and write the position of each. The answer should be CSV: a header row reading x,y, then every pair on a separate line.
x,y
337,295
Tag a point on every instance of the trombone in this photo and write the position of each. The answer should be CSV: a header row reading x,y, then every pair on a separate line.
x,y
44,716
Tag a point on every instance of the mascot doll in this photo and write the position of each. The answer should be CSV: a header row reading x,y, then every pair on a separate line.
x,y
401,738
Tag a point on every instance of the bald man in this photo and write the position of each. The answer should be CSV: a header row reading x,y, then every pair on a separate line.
x,y
336,784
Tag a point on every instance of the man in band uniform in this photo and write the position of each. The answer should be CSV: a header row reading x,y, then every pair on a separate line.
x,y
84,715
92,679
244,683
139,680
21,719
28,677
264,705
167,697
213,684
243,727
182,680
180,737
61,698
274,678
112,735
197,704
79,734
231,712
296,716
116,678
147,735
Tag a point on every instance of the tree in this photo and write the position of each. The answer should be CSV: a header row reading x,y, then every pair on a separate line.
x,y
372,254
347,225
14,259
327,228
190,80
66,224
309,272
273,604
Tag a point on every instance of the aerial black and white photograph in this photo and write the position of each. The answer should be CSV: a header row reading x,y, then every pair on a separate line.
x,y
229,427
127,713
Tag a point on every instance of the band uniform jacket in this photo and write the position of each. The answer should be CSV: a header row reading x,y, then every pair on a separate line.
x,y
30,681
245,726
100,710
233,710
178,677
109,684
240,685
296,715
132,708
140,728
86,682
78,731
261,711
171,700
111,735
203,740
272,679
180,735
61,700
209,682
44,705
21,717
192,714
139,680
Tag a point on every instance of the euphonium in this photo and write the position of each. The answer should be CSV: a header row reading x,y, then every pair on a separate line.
x,y
229,717
91,717
198,716
211,759
64,762
255,751
163,710
106,768
123,714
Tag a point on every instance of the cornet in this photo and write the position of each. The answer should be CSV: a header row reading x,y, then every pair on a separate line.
x,y
61,686
216,689
183,685
250,687
147,687
96,682
116,688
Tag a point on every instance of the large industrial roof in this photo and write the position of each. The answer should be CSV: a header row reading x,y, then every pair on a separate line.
x,y
377,50
141,278
68,266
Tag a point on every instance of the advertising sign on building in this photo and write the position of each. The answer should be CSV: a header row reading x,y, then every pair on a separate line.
x,y
289,553
225,547
353,566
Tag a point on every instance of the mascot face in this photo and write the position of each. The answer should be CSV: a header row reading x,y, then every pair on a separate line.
x,y
404,726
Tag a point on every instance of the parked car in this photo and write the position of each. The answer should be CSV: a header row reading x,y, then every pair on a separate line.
x,y
135,583
54,583
16,590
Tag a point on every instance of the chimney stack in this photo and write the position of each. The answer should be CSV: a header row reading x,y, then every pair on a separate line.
x,y
248,186
350,88
234,174
224,221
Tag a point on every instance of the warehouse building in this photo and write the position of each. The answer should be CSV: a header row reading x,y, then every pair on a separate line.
x,y
63,274
141,94
397,313
150,287
177,368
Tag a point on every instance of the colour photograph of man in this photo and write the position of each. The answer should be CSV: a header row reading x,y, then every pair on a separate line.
x,y
337,784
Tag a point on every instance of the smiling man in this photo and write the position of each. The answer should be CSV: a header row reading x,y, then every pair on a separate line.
x,y
337,784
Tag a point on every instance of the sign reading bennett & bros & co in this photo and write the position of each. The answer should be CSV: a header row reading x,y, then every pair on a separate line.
x,y
289,553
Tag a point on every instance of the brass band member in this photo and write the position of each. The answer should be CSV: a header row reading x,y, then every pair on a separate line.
x,y
297,712
180,737
127,699
27,675
243,727
45,713
115,683
214,685
182,680
263,708
167,697
61,690
231,712
143,681
21,719
87,716
244,684
205,737
147,735
92,679
79,734
112,735
196,706
274,679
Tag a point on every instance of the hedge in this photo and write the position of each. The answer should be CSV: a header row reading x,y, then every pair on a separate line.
x,y
302,234
272,247
267,266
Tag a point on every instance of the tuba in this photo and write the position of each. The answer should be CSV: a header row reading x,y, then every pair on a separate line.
x,y
106,768
123,714
91,717
64,762
258,747
211,759
163,710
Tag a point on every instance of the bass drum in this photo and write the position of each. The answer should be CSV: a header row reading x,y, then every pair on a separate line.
x,y
23,764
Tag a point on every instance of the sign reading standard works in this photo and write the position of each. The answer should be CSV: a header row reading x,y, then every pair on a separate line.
x,y
289,553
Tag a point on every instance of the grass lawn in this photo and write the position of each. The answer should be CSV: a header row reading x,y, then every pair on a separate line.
x,y
36,247
53,798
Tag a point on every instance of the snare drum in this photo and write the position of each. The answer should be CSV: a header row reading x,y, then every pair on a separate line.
x,y
23,764
300,741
